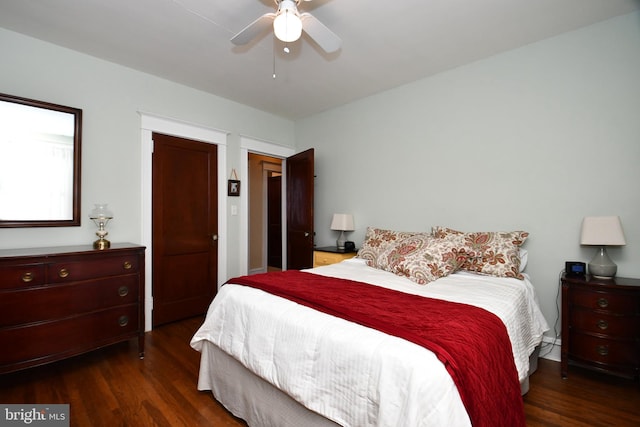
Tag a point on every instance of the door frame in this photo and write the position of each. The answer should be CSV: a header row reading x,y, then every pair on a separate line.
x,y
248,144
150,123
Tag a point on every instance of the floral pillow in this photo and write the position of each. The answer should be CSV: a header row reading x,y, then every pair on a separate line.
x,y
422,258
494,253
377,240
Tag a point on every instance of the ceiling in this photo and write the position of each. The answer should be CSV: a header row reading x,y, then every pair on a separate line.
x,y
385,44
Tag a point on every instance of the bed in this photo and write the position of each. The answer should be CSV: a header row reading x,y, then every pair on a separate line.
x,y
277,361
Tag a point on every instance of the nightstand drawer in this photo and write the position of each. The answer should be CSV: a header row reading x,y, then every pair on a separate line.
x,y
609,301
600,323
604,351
327,258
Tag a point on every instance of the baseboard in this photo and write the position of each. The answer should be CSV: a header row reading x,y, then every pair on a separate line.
x,y
551,348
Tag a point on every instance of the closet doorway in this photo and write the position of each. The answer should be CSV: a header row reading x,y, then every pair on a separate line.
x,y
265,213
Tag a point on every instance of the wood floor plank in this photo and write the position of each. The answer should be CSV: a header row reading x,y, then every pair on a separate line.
x,y
113,387
586,398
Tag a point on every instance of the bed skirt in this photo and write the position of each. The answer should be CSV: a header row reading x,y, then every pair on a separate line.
x,y
249,397
260,404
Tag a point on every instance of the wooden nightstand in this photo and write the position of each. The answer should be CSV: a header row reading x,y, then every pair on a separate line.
x,y
601,325
330,255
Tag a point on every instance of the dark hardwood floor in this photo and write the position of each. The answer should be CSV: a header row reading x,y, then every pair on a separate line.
x,y
112,387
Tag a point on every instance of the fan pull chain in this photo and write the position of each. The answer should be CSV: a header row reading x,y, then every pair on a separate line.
x,y
274,62
285,50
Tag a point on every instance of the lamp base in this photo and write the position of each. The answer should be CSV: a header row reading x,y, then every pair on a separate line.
x,y
601,266
340,241
101,244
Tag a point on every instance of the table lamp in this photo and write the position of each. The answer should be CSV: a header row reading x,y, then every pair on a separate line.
x,y
602,231
342,222
100,215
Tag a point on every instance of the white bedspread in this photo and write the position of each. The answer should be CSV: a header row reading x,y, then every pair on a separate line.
x,y
354,375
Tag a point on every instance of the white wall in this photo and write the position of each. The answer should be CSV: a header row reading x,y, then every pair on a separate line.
x,y
111,98
533,139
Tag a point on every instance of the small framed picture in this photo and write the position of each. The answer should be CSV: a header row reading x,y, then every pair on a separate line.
x,y
233,188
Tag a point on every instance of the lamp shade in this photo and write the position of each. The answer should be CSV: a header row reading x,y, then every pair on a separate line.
x,y
101,212
342,222
602,231
287,25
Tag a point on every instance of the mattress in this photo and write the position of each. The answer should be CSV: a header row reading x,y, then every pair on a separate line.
x,y
349,374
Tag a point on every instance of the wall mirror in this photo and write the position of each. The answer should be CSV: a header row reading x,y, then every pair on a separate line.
x,y
40,146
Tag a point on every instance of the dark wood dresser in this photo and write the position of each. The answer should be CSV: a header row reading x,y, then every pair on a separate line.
x,y
62,301
601,325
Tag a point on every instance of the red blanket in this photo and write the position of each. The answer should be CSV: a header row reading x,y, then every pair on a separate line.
x,y
471,342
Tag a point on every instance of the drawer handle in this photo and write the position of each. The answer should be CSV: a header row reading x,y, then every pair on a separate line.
x,y
602,324
602,350
127,265
603,303
63,273
123,320
123,291
27,277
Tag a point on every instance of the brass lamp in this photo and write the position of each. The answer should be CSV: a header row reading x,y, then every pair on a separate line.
x,y
101,215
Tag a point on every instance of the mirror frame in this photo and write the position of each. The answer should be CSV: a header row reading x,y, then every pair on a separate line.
x,y
77,146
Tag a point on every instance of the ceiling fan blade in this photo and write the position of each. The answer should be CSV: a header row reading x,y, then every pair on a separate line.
x,y
322,35
252,30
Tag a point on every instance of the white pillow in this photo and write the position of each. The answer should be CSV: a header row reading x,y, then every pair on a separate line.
x,y
523,258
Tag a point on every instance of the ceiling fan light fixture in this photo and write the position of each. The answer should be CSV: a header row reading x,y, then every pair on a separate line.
x,y
287,25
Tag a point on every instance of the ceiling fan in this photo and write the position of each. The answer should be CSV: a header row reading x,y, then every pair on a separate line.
x,y
288,24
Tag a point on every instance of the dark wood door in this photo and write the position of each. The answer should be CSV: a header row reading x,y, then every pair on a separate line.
x,y
300,175
185,221
274,221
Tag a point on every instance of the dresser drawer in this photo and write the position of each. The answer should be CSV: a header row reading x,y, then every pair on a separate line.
x,y
51,302
603,351
99,266
41,342
603,323
614,302
21,275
